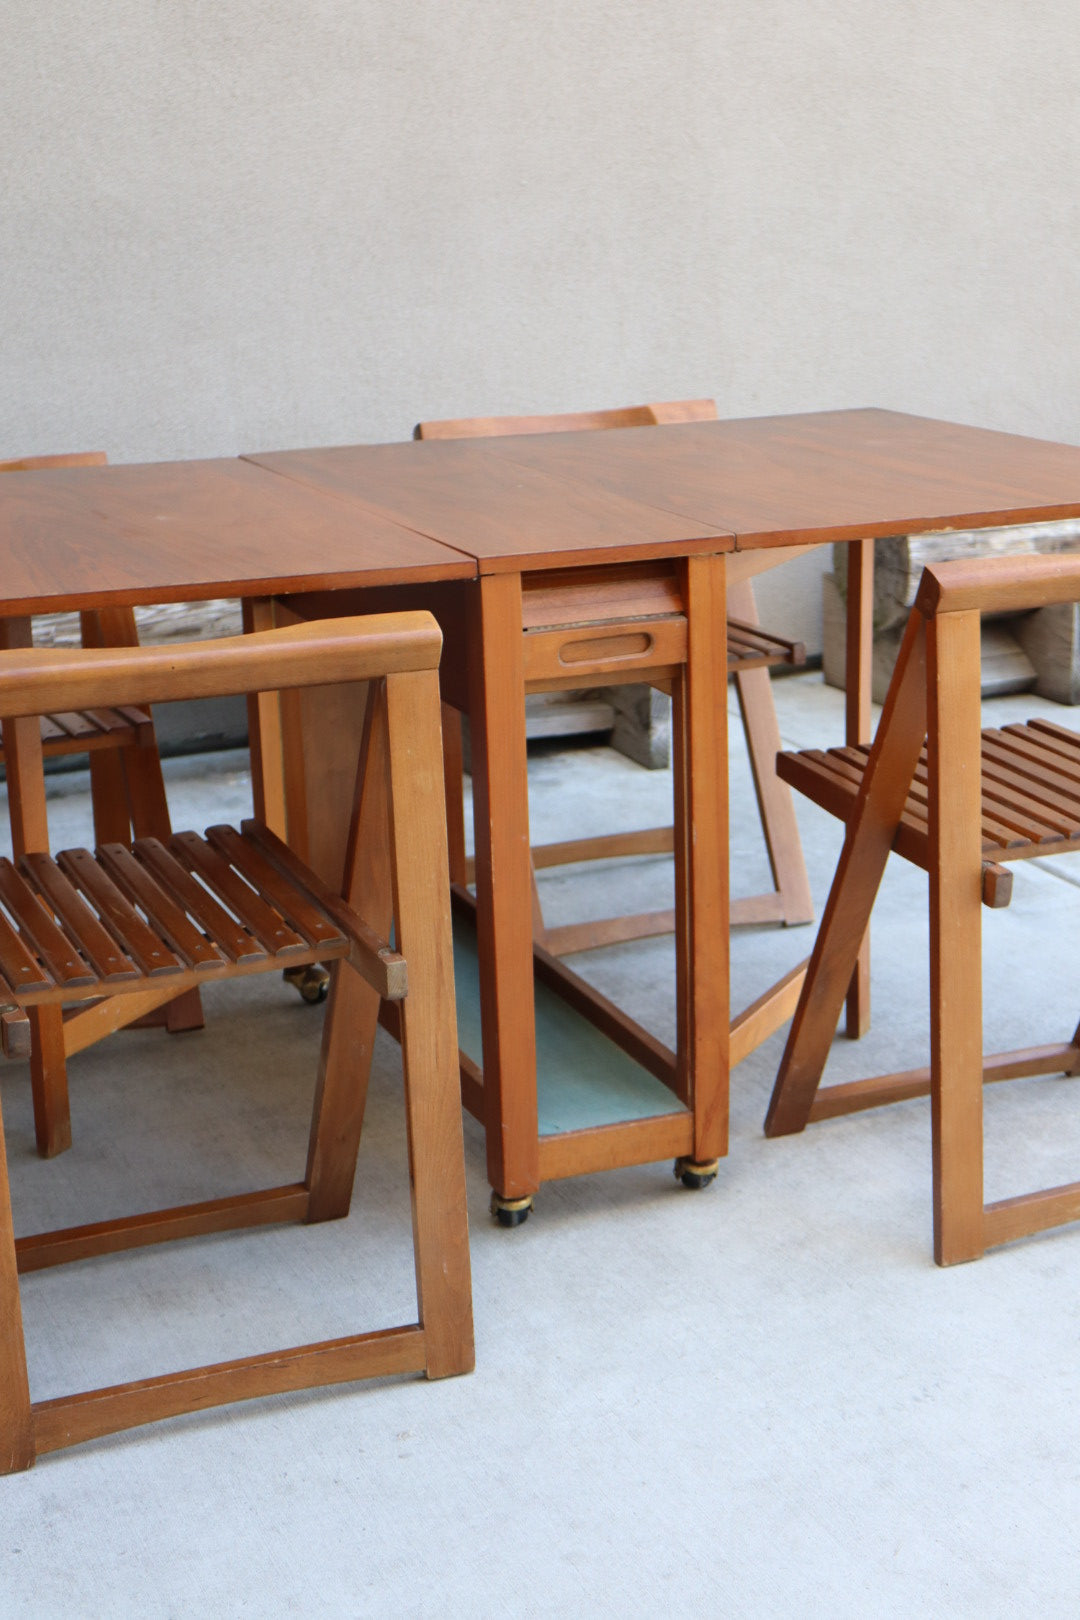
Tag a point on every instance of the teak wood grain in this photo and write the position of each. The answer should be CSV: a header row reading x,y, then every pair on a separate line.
x,y
584,599
970,803
70,928
509,517
127,795
187,530
823,476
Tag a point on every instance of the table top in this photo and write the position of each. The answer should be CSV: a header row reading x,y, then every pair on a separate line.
x,y
357,516
185,530
528,501
509,512
830,475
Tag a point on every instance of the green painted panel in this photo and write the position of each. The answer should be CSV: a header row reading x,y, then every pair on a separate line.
x,y
583,1079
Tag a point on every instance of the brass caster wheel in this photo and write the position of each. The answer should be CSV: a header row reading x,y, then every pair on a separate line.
x,y
510,1211
312,981
696,1174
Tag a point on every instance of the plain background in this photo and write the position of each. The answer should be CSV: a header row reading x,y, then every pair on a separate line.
x,y
242,227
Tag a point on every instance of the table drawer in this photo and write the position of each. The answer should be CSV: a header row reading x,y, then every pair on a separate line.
x,y
585,654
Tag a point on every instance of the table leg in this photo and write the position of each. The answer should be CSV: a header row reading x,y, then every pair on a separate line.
x,y
25,766
956,1045
702,769
265,733
857,729
503,885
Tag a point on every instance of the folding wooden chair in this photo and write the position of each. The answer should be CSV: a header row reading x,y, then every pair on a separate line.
x,y
189,910
752,651
960,808
127,793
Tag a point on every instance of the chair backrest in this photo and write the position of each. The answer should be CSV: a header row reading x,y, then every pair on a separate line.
x,y
997,584
40,680
658,414
78,458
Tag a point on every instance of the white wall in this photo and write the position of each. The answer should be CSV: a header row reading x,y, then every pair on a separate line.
x,y
266,223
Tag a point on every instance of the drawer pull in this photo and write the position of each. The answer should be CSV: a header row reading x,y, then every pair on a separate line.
x,y
606,649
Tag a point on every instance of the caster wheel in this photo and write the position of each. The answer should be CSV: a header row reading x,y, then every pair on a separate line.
x,y
510,1211
312,981
696,1175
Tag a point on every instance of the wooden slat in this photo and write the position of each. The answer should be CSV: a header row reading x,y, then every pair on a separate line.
x,y
58,955
751,641
1004,823
1023,752
1042,748
997,834
112,721
1021,815
833,784
257,917
1002,787
227,934
20,970
300,910
94,942
1068,742
118,914
1008,767
75,723
383,967
171,920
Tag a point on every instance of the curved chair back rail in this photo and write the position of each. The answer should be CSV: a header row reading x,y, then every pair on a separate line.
x,y
34,680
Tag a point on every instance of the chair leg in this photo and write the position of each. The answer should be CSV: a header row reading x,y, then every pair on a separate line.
x,y
30,834
869,837
775,804
859,656
109,797
429,1025
454,776
16,1420
48,1079
956,1049
353,1007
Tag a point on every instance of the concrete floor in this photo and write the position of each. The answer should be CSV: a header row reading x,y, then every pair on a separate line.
x,y
762,1399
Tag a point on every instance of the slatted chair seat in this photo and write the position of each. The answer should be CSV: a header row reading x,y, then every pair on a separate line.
x,y
100,927
192,909
750,646
1030,791
89,729
963,804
